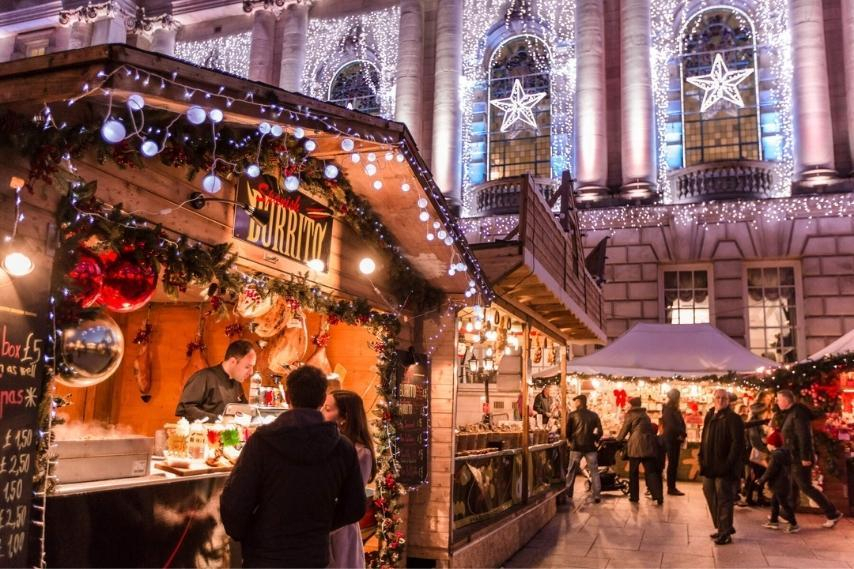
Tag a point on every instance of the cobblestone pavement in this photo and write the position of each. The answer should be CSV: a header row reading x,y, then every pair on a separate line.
x,y
617,533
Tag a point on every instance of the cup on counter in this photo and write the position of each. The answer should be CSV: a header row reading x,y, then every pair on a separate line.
x,y
159,442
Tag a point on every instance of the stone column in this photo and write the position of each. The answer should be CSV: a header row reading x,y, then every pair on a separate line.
x,y
848,45
591,124
637,112
293,48
261,53
7,47
813,124
81,35
109,30
163,41
409,67
60,40
447,115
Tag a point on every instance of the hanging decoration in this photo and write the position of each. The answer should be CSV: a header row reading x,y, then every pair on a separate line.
x,y
92,351
142,362
128,284
519,106
86,277
720,84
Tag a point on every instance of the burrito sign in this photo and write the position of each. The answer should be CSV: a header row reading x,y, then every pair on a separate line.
x,y
299,229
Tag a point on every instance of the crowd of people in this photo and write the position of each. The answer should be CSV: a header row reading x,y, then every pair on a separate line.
x,y
773,448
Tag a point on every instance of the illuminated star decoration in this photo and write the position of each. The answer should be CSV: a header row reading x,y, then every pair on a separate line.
x,y
518,106
721,83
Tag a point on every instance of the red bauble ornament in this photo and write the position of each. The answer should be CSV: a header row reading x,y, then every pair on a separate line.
x,y
86,278
128,285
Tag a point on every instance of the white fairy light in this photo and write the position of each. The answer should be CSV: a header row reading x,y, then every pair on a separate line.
x,y
292,183
404,187
332,42
299,132
276,131
264,128
225,53
330,171
356,157
135,102
347,145
196,115
113,131
211,183
149,148
424,216
370,169
253,171
378,184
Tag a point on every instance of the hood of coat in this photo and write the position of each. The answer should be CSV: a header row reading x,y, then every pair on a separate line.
x,y
301,436
636,412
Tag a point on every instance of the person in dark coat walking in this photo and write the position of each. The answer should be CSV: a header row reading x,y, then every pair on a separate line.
x,y
721,464
798,438
758,452
777,477
642,448
296,480
673,435
583,432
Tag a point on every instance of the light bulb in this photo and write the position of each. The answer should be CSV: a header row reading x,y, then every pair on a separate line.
x,y
405,187
372,157
422,203
469,326
196,115
378,185
399,157
449,241
149,148
276,131
264,128
331,171
367,266
253,171
299,132
461,267
136,102
18,264
452,271
292,183
370,169
316,265
389,156
215,115
356,158
113,131
310,145
441,234
424,216
436,225
347,145
211,183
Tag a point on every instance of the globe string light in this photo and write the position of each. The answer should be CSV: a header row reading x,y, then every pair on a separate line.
x,y
331,43
225,53
669,20
390,151
553,22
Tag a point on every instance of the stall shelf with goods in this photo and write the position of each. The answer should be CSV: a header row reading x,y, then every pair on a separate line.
x,y
310,230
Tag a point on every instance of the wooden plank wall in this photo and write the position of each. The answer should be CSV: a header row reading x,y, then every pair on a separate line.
x,y
430,505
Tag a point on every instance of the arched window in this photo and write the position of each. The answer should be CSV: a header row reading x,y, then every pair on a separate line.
x,y
719,86
519,109
355,86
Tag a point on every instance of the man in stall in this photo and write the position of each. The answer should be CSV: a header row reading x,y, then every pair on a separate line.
x,y
209,390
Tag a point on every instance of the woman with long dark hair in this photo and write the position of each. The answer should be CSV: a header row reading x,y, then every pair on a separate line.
x,y
347,410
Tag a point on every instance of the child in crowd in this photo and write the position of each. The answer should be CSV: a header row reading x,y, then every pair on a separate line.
x,y
777,477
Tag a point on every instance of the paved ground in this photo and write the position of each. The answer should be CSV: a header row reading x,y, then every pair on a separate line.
x,y
616,533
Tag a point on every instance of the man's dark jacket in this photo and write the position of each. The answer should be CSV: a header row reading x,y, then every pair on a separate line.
x,y
777,473
206,394
642,440
797,432
722,445
673,424
296,480
583,430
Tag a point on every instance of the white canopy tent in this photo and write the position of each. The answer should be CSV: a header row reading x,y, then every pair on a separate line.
x,y
841,345
670,350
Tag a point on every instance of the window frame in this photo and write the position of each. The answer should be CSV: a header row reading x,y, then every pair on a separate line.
x,y
800,332
710,275
360,61
535,139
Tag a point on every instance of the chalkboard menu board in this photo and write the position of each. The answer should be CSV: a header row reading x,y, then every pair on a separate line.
x,y
23,327
413,390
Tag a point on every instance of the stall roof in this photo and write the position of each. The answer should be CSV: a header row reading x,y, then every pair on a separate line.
x,y
668,350
841,345
29,84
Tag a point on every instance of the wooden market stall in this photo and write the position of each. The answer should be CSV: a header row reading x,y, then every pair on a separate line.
x,y
176,201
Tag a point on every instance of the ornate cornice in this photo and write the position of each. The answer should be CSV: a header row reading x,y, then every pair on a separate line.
x,y
90,13
277,6
142,24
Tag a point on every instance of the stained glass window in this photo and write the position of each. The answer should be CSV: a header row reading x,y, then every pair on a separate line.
x,y
520,148
355,86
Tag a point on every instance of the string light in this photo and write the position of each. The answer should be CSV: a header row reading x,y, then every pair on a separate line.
x,y
368,37
225,53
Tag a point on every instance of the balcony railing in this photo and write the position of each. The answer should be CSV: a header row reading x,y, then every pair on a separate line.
x,y
501,197
722,180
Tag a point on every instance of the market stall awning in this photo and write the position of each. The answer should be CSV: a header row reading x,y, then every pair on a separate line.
x,y
841,345
668,350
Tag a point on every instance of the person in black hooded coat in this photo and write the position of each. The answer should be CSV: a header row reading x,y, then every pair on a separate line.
x,y
297,479
642,448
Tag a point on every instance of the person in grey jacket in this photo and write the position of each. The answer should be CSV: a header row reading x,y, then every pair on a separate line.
x,y
797,437
641,448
